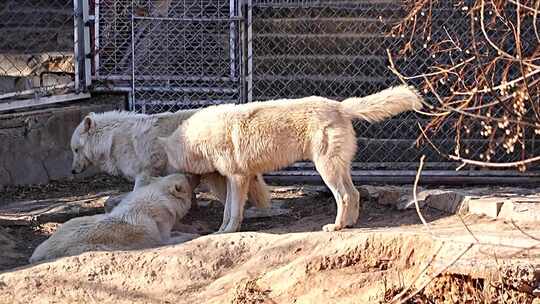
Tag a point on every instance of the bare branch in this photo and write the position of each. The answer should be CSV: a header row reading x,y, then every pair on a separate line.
x,y
495,165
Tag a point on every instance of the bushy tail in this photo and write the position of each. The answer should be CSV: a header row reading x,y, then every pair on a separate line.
x,y
385,104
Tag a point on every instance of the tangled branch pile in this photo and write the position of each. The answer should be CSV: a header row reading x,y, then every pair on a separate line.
x,y
482,73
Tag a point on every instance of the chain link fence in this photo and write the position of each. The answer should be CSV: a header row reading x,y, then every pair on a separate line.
x,y
173,54
36,49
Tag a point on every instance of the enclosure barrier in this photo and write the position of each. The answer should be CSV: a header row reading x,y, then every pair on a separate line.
x,y
170,55
38,62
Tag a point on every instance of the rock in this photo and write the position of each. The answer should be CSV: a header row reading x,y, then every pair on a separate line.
x,y
489,206
445,200
388,196
524,209
371,191
450,201
407,201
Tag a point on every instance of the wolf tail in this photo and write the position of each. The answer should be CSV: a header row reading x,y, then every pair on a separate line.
x,y
382,105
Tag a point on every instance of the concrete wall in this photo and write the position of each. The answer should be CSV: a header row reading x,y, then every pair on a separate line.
x,y
34,145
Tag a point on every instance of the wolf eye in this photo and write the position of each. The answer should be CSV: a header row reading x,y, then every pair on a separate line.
x,y
76,150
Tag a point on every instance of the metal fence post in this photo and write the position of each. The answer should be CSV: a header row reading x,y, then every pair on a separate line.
x,y
86,40
133,97
246,51
78,47
96,37
232,32
82,52
249,76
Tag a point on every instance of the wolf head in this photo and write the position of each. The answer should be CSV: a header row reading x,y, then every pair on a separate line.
x,y
90,143
175,190
178,185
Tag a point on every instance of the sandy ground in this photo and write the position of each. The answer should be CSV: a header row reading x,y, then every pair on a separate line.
x,y
280,259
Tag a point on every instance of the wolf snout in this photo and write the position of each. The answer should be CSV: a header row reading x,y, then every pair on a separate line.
x,y
75,171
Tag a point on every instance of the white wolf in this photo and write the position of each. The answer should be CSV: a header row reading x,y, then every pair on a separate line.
x,y
248,139
125,143
143,219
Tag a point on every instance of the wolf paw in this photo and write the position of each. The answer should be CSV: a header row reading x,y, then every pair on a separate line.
x,y
112,202
179,237
331,227
221,231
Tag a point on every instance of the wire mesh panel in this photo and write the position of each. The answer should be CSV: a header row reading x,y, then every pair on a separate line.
x,y
112,43
176,54
339,49
335,49
36,49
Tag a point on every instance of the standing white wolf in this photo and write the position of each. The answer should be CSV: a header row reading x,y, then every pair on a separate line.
x,y
125,143
143,219
243,140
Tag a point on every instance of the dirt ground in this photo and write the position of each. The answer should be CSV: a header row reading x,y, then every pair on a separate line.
x,y
279,259
310,207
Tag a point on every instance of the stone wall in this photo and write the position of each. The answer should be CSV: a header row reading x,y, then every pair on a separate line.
x,y
35,145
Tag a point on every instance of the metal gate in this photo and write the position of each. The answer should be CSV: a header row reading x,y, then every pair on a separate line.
x,y
171,54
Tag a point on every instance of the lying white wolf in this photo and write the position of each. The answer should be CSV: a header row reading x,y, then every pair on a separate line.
x,y
243,140
124,143
143,219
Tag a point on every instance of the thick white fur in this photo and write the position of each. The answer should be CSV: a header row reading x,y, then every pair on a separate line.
x,y
124,143
239,141
143,219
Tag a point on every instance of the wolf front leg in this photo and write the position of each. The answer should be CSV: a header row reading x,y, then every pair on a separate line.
x,y
142,180
239,188
113,201
226,208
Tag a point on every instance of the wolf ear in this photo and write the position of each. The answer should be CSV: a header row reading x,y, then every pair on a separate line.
x,y
177,189
162,141
88,124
